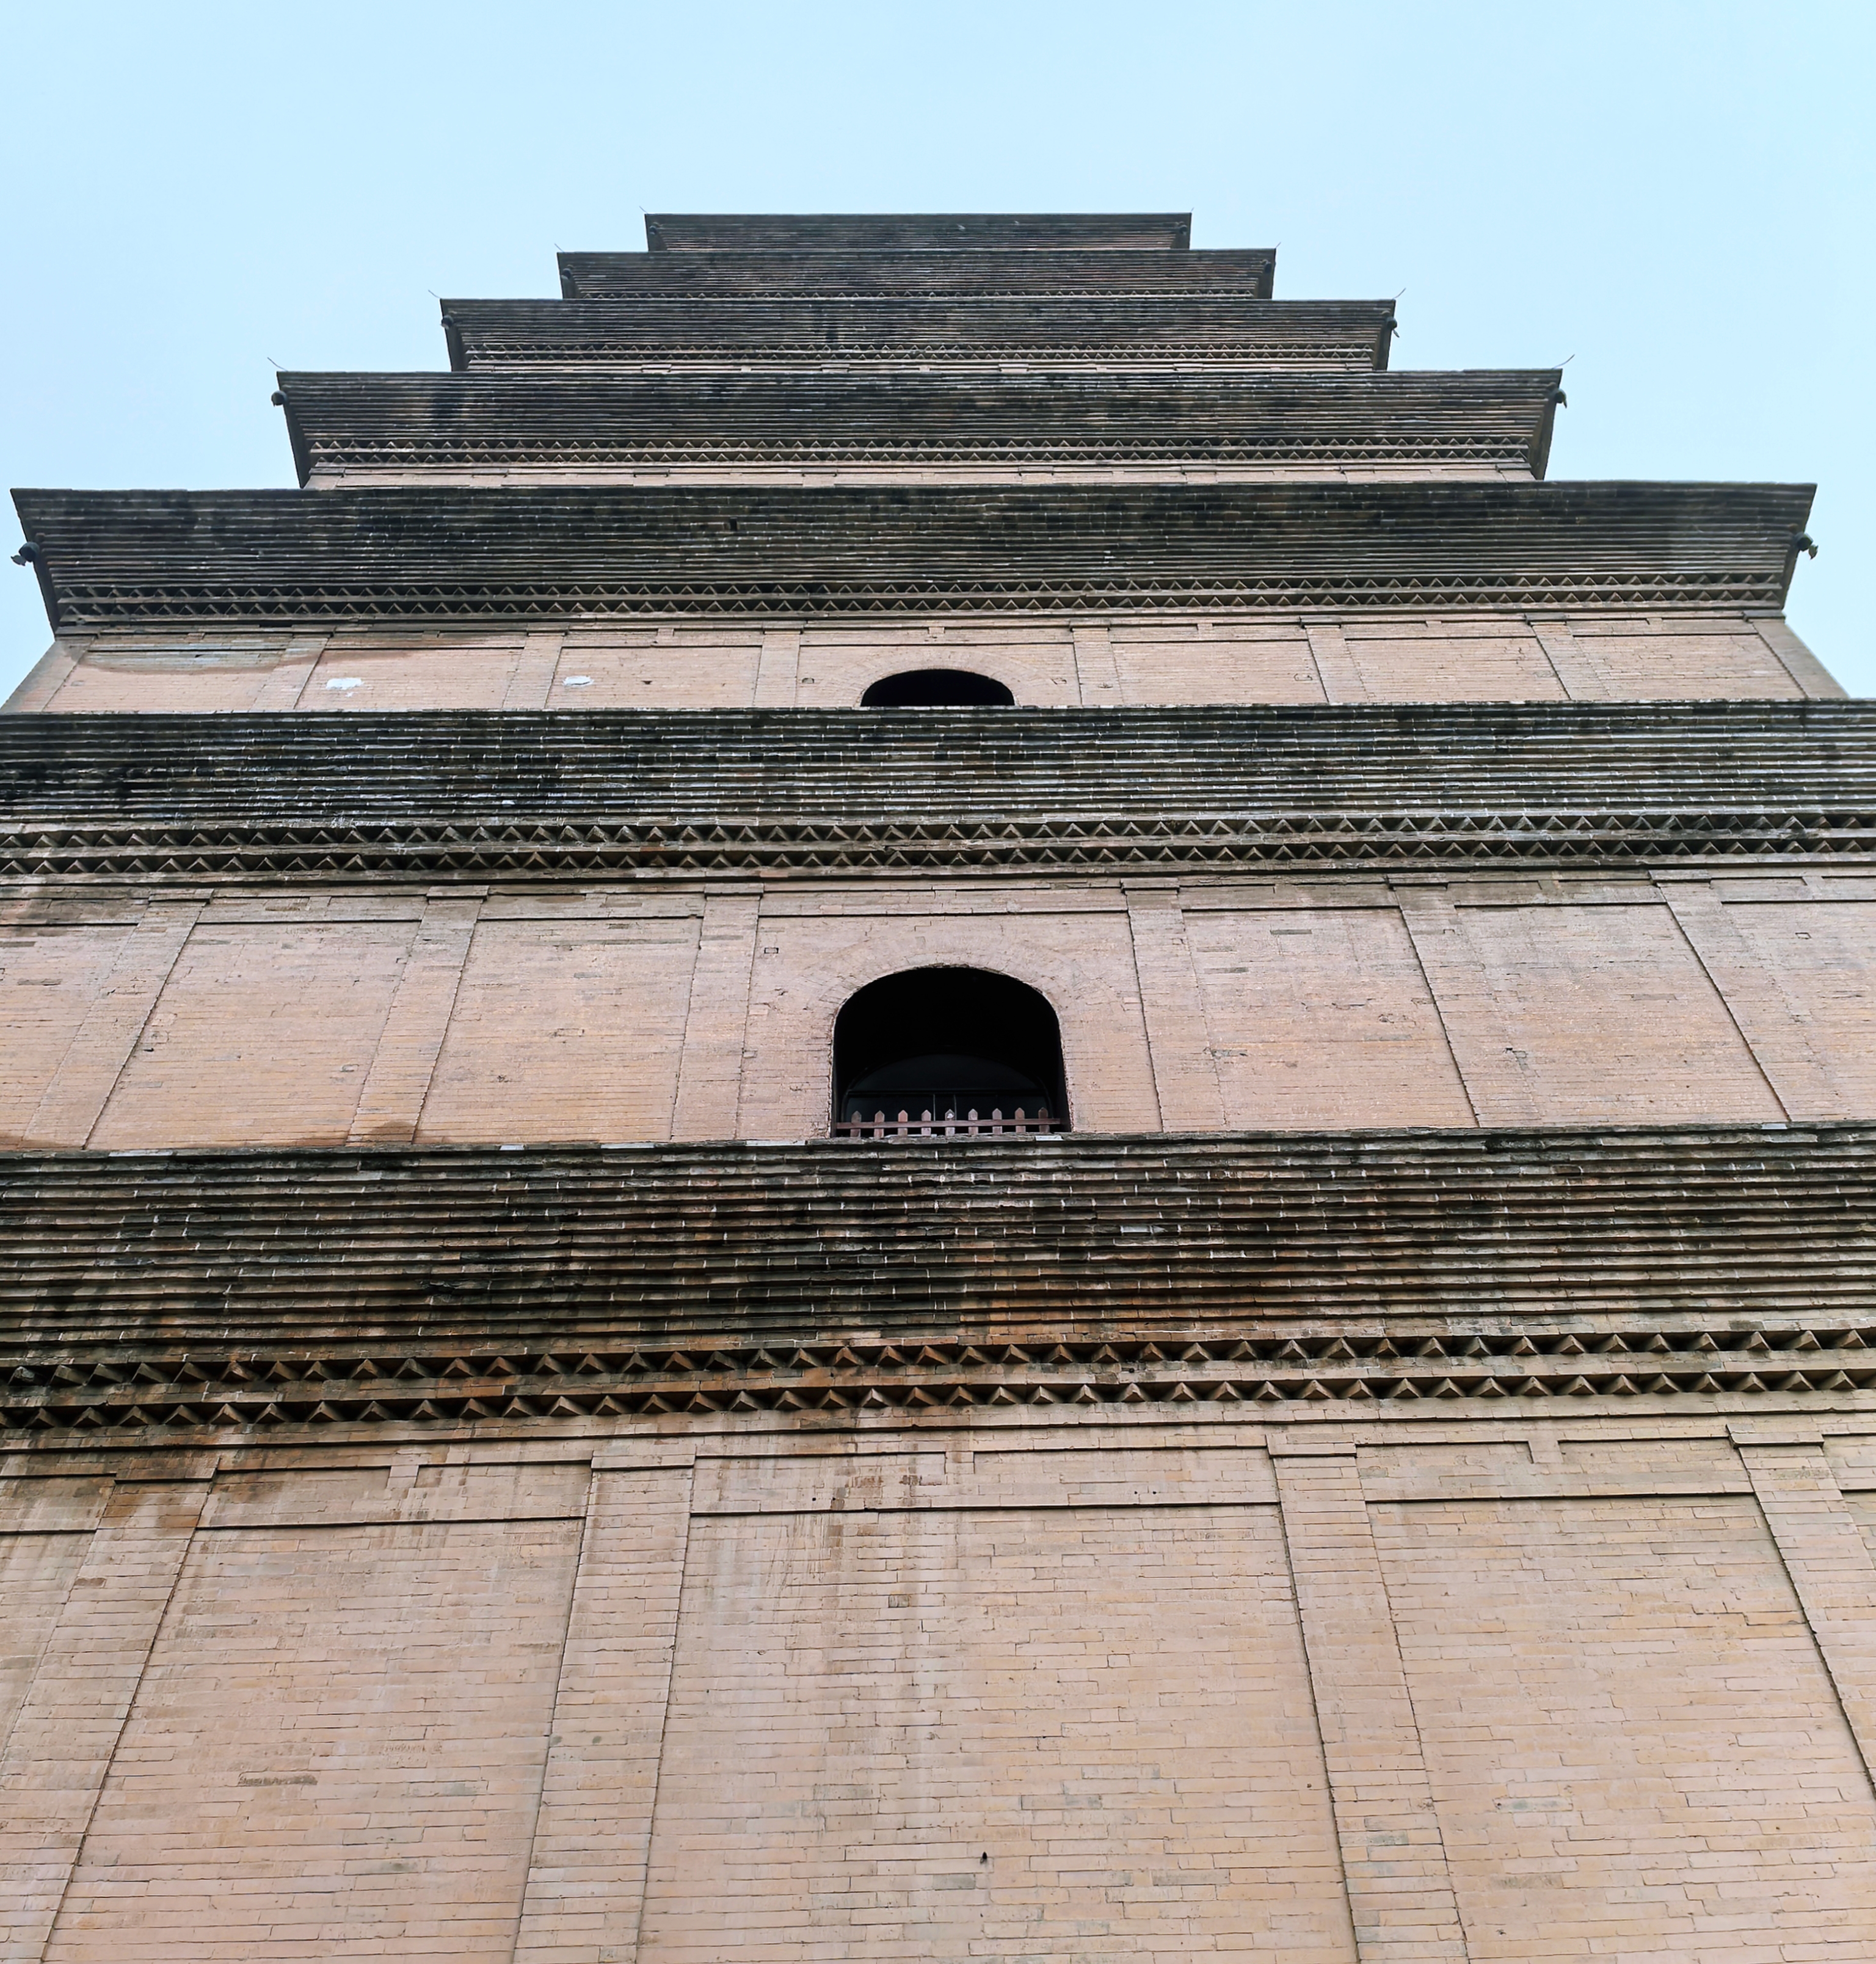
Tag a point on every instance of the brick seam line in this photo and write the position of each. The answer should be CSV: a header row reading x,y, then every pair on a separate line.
x,y
688,1502
689,993
320,640
206,1486
160,984
1537,632
1145,1020
559,1685
1316,667
1684,899
1714,983
1798,1593
1350,1452
742,1056
1413,1713
1316,1709
1439,1013
45,1642
448,1017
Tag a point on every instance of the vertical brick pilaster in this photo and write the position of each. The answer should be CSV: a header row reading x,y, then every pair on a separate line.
x,y
1812,677
1576,673
46,676
390,1103
71,1104
710,1072
1178,1046
1825,1555
531,684
776,667
1799,1078
61,1743
1400,1890
1096,673
585,1887
1464,1001
1328,649
284,685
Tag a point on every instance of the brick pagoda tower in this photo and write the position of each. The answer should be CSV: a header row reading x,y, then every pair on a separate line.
x,y
920,1096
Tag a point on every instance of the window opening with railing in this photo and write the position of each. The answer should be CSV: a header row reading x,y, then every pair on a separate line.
x,y
947,1052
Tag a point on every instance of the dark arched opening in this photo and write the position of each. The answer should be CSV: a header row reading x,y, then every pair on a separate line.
x,y
953,1051
937,688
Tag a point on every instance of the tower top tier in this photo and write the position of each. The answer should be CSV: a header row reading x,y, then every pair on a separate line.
x,y
918,231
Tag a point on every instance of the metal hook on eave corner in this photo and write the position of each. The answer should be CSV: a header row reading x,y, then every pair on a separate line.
x,y
27,554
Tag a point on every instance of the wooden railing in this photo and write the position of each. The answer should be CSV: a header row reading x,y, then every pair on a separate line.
x,y
1020,1123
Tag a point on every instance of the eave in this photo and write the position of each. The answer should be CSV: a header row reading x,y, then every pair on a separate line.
x,y
409,422
555,551
1075,328
786,794
1246,273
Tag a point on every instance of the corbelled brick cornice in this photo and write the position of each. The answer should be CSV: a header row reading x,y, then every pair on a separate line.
x,y
194,1289
1246,273
949,232
422,421
1073,327
774,792
550,551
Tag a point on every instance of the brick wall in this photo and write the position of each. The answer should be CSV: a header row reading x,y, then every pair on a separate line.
x,y
282,1017
1115,1686
1171,658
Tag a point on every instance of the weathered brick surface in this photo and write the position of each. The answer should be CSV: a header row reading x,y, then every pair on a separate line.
x,y
1394,1855
50,977
66,1733
1527,1685
46,1535
1324,1011
1728,1235
1202,659
1635,1747
263,1035
581,1027
314,1016
336,1749
592,1834
866,1707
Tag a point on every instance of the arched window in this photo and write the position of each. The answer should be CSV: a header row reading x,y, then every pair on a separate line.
x,y
950,1053
941,689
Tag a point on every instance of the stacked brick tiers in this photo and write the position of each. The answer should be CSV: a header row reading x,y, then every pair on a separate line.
x,y
482,1475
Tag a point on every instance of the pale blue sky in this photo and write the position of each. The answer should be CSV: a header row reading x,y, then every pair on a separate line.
x,y
1676,195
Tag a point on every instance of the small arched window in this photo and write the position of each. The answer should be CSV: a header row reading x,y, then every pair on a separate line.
x,y
948,1053
937,688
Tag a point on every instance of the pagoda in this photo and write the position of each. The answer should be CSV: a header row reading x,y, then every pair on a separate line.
x,y
922,1094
